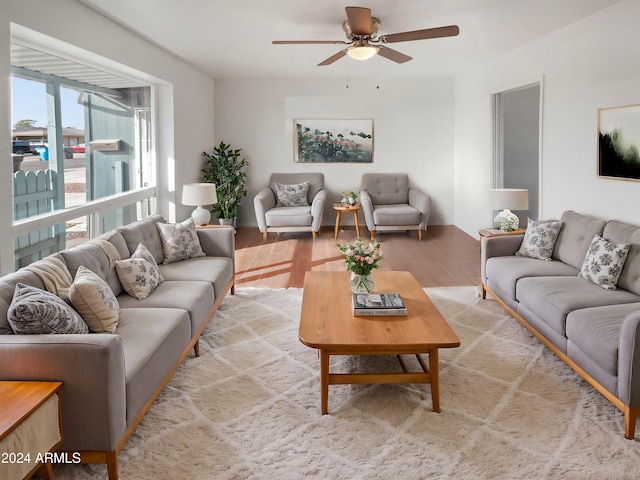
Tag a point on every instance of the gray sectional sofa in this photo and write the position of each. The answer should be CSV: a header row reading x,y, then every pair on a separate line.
x,y
594,330
111,379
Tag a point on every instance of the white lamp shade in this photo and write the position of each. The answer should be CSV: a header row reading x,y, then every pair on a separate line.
x,y
363,52
199,194
509,198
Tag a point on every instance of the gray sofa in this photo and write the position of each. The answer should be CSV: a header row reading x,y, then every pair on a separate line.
x,y
111,379
595,331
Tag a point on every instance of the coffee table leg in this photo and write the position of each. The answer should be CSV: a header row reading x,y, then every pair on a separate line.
x,y
324,381
435,379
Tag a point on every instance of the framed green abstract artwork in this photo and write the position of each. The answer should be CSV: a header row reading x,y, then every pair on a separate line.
x,y
318,140
618,142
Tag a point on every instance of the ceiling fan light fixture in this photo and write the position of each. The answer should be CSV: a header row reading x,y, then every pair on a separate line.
x,y
362,52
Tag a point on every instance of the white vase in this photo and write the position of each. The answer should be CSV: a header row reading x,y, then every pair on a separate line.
x,y
361,283
228,221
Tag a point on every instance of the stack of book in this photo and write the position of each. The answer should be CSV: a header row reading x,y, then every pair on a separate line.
x,y
387,304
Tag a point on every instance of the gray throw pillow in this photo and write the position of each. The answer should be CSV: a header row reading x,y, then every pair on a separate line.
x,y
37,311
139,275
539,239
94,300
179,241
292,195
603,263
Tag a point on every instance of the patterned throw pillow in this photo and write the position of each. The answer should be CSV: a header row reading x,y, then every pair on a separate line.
x,y
539,239
292,195
93,298
139,275
37,311
179,241
603,262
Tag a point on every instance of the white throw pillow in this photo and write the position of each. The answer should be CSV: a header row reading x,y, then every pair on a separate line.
x,y
37,311
539,239
179,241
603,263
139,275
292,195
93,298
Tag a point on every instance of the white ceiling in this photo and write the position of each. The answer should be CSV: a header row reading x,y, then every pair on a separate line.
x,y
232,38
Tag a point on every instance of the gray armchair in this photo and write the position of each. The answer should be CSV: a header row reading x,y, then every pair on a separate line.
x,y
389,203
293,202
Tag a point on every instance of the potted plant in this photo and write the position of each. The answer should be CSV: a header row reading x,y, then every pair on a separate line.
x,y
349,198
225,169
360,259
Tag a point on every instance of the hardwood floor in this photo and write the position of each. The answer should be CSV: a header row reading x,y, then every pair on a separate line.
x,y
445,257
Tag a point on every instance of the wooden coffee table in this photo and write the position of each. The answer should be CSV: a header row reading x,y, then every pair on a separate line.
x,y
326,323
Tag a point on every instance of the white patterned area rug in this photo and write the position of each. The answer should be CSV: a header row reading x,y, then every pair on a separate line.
x,y
249,408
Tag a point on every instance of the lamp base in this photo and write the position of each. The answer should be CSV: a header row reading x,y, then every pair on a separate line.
x,y
506,221
201,216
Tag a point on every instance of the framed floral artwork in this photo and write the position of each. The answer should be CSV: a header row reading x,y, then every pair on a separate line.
x,y
618,142
318,140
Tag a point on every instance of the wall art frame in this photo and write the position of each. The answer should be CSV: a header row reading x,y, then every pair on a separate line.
x,y
332,140
619,143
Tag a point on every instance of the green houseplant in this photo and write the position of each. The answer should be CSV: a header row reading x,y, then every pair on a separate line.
x,y
225,169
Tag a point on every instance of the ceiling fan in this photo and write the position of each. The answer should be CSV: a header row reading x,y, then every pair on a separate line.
x,y
361,30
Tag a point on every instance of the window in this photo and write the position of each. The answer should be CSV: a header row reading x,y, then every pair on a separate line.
x,y
91,166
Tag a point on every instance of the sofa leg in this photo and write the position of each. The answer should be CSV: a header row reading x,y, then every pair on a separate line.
x,y
373,232
264,236
630,416
313,235
419,234
196,348
112,465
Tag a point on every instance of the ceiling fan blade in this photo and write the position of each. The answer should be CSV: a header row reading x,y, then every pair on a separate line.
x,y
449,31
359,20
393,55
308,42
333,58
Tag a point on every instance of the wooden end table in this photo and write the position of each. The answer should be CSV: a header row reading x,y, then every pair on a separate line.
x,y
339,208
30,406
494,232
328,324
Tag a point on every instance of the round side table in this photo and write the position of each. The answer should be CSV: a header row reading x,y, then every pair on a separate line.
x,y
339,208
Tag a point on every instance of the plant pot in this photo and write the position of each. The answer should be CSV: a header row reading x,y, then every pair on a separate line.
x,y
228,221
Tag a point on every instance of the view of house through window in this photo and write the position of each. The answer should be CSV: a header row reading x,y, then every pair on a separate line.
x,y
75,142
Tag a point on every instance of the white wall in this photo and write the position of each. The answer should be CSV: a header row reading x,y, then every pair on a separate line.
x,y
413,132
185,108
587,65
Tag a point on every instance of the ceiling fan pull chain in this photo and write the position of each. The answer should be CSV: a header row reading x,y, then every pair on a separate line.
x,y
347,75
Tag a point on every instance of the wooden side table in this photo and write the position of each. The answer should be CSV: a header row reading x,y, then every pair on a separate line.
x,y
494,232
339,208
27,407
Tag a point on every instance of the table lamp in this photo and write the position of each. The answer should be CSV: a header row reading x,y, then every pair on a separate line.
x,y
508,199
199,194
